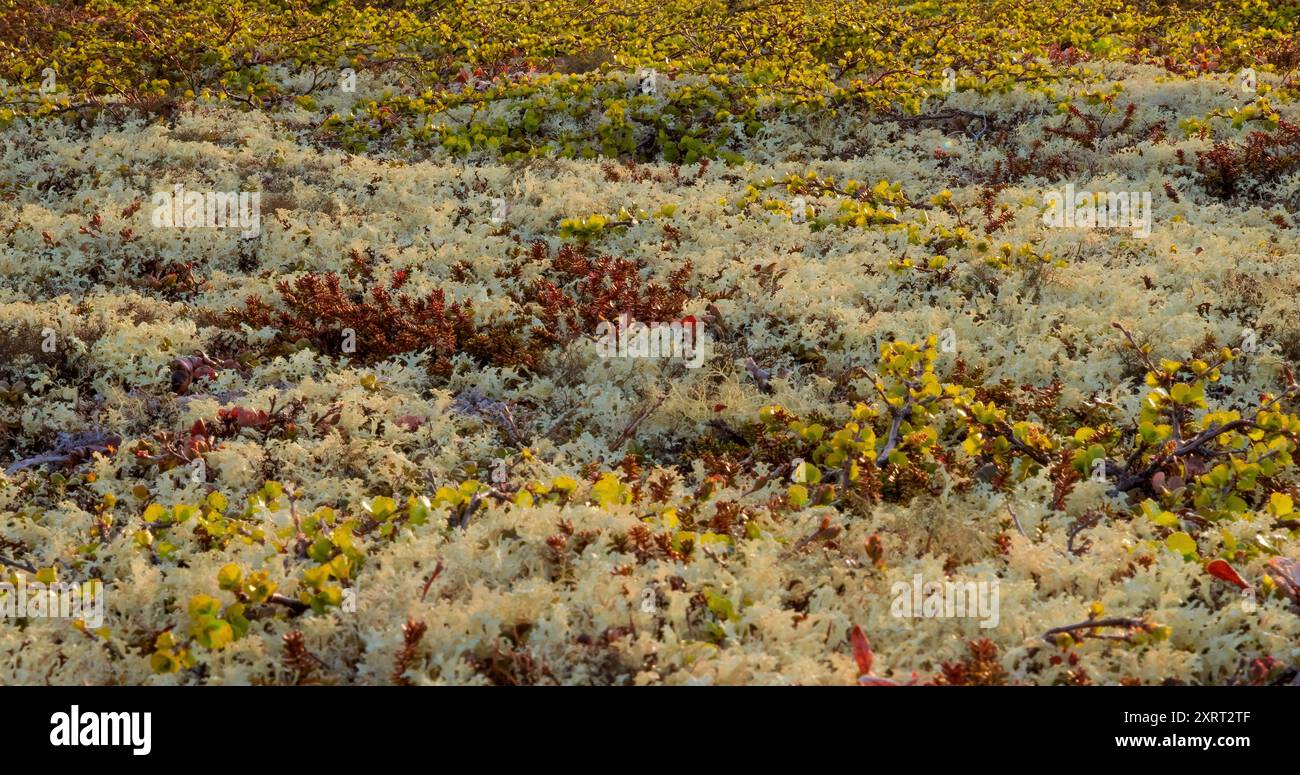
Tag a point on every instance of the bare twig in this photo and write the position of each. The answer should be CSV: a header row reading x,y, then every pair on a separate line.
x,y
22,566
1188,447
636,421
1129,623
899,416
1009,434
297,606
1016,520
470,508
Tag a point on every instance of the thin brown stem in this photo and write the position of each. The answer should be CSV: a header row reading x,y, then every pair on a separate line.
x,y
1131,624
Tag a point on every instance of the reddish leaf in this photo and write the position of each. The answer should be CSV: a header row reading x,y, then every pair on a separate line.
x,y
861,650
247,418
1220,569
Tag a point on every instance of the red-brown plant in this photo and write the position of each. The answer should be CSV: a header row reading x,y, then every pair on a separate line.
x,y
1228,169
581,291
576,293
380,322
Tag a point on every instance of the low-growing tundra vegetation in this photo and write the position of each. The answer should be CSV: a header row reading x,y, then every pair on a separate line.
x,y
383,438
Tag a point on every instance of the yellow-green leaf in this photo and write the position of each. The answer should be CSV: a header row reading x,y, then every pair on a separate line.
x,y
1182,543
